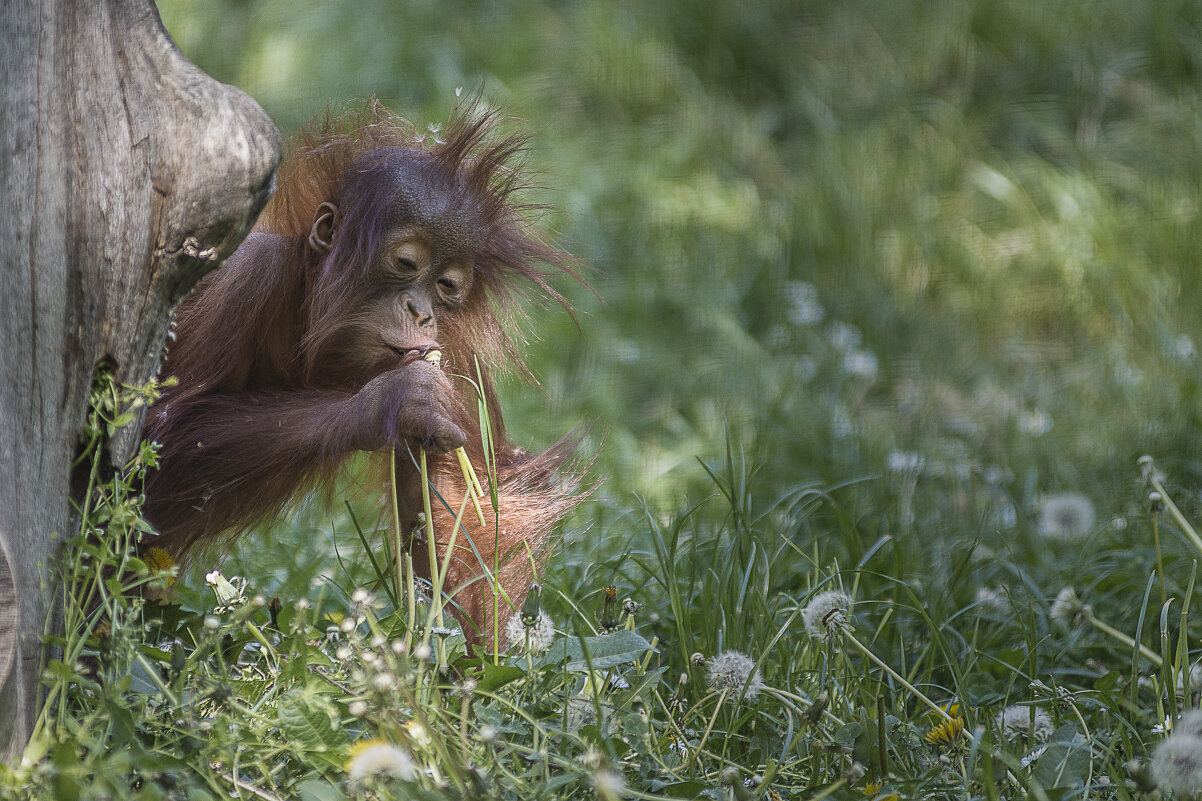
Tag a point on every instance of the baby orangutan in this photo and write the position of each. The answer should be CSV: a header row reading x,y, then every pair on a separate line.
x,y
308,345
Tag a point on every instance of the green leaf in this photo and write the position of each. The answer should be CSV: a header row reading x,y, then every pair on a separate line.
x,y
317,790
498,675
309,721
604,651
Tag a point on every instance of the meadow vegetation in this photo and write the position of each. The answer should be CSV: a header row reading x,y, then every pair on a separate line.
x,y
887,302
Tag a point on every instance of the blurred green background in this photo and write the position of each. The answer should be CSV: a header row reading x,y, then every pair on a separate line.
x,y
946,247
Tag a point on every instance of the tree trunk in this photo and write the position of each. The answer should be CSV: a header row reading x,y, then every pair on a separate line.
x,y
127,174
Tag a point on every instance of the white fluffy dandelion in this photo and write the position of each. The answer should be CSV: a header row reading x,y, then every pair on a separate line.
x,y
534,638
609,784
1177,764
379,758
825,616
1066,516
1016,720
735,672
1069,608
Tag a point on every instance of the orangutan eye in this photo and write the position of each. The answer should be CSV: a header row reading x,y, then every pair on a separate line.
x,y
407,264
449,286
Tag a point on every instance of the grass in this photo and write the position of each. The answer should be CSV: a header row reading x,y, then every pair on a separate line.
x,y
876,284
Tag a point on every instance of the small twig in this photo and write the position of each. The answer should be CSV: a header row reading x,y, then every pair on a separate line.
x,y
241,785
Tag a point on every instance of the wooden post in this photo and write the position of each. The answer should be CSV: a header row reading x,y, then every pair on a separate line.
x,y
126,174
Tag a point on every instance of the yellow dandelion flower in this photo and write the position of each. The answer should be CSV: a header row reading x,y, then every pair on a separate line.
x,y
159,561
945,733
873,787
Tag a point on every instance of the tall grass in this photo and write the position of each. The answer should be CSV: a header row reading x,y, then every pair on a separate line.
x,y
877,286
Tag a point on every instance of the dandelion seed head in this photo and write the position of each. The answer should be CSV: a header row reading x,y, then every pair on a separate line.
x,y
735,672
378,758
1069,608
357,708
1066,516
1177,764
383,681
825,616
609,784
1190,722
1016,720
537,637
422,652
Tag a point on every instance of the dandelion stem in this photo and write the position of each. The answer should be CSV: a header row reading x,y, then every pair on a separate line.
x,y
1186,528
709,727
1127,640
153,674
897,677
1164,593
880,732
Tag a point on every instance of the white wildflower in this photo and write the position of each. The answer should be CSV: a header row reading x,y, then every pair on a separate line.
x,y
1066,516
735,672
843,336
861,363
1016,720
357,708
1069,608
804,308
1177,764
230,593
904,462
378,758
1185,348
825,616
1035,422
534,638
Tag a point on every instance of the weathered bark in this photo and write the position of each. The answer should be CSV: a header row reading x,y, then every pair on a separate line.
x,y
127,175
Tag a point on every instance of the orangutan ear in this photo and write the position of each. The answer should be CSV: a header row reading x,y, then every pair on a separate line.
x,y
321,235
